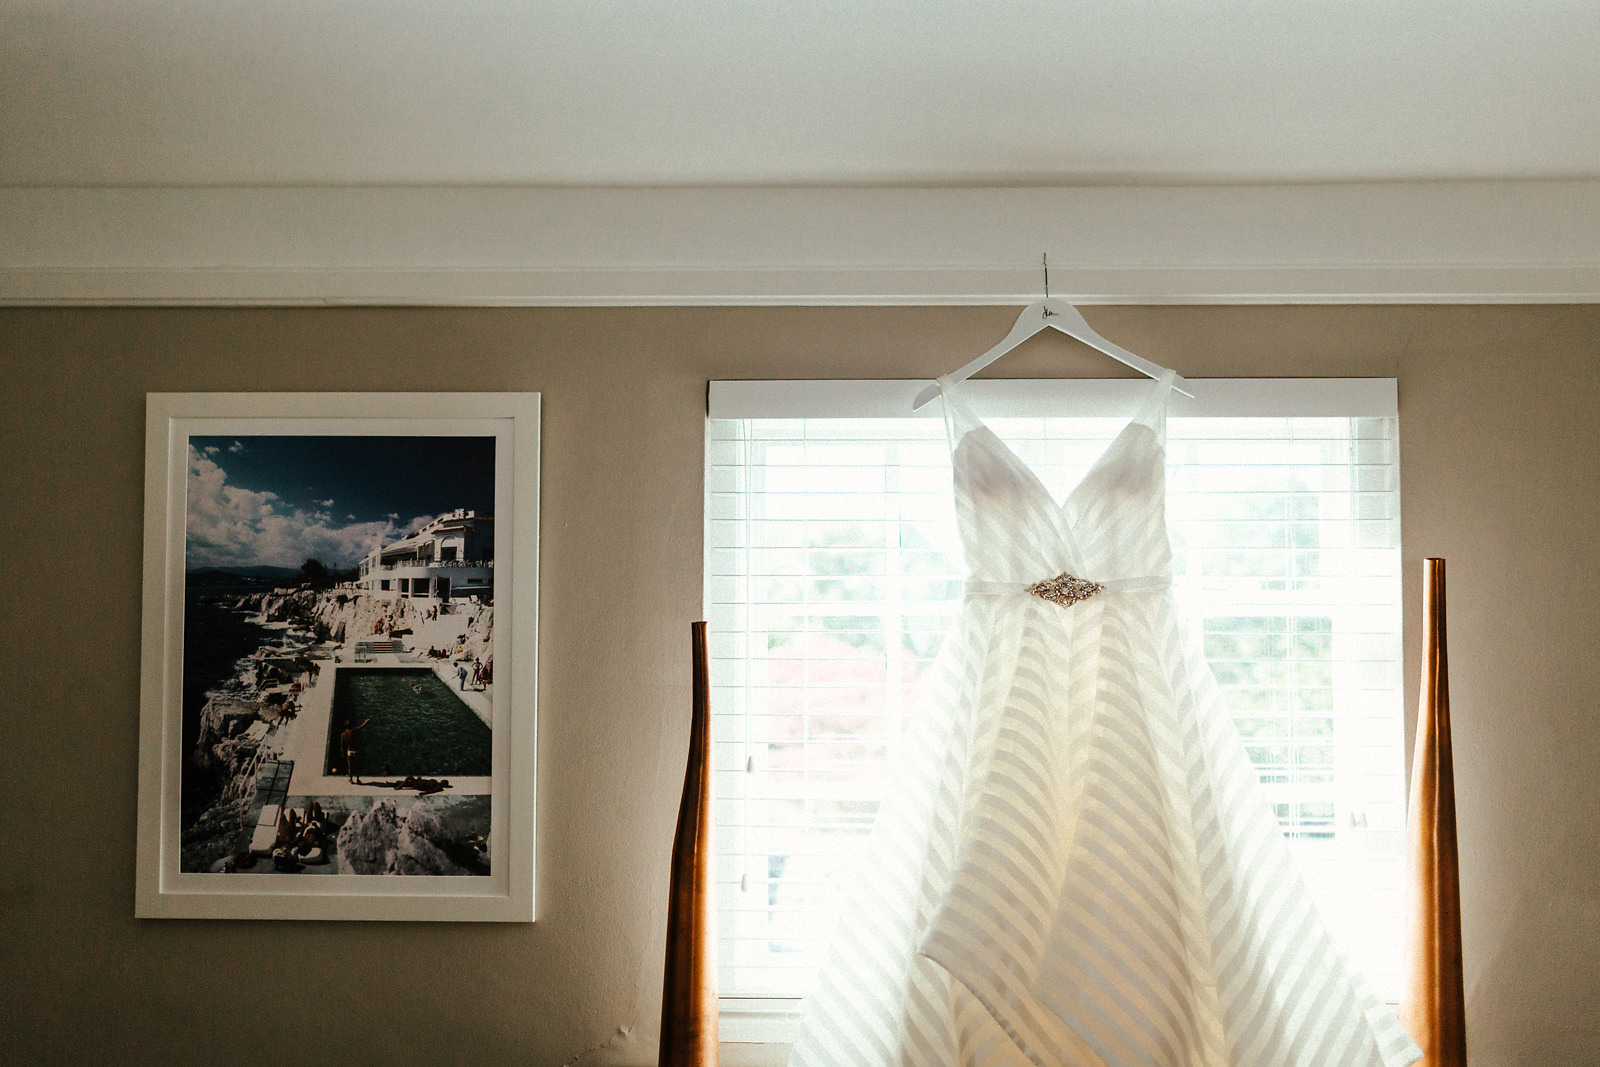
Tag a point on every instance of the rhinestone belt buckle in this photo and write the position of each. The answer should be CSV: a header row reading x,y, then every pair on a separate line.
x,y
1065,589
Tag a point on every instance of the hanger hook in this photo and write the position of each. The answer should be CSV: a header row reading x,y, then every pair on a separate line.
x,y
1045,257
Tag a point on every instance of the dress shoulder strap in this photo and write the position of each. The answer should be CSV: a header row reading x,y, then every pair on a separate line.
x,y
959,418
1153,411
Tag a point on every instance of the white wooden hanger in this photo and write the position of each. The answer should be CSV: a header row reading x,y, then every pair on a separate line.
x,y
1055,315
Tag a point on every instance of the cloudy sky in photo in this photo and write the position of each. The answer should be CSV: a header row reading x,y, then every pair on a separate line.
x,y
278,501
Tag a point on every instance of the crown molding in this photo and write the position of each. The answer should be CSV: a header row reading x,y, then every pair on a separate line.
x,y
1466,242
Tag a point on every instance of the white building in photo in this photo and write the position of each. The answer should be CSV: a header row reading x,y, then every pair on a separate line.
x,y
451,558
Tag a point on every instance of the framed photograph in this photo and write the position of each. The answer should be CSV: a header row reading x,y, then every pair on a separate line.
x,y
339,656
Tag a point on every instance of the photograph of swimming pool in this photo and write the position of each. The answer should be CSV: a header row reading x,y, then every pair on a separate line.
x,y
286,646
415,725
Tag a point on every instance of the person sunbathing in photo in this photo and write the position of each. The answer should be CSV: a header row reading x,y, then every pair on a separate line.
x,y
289,827
423,786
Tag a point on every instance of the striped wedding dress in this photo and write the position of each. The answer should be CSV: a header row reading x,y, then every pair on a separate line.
x,y
1074,864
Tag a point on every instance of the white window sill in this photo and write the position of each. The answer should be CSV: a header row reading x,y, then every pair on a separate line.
x,y
762,1021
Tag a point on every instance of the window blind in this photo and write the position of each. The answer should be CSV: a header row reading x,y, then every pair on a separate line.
x,y
833,570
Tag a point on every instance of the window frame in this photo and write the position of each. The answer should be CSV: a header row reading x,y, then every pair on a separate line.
x,y
775,1019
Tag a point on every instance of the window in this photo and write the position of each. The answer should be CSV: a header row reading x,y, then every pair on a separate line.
x,y
833,571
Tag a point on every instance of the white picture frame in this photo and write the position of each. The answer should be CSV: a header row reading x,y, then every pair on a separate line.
x,y
222,474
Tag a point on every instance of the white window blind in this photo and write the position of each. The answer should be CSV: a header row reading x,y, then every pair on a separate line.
x,y
833,570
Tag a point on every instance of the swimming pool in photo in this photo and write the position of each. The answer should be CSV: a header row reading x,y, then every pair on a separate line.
x,y
416,724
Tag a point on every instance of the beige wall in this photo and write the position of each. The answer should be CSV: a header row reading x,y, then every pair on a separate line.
x,y
1499,445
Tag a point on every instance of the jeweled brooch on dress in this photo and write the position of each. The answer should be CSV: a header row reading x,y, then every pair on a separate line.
x,y
1065,589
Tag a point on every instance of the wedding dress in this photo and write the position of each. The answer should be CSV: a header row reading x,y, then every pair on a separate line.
x,y
1074,864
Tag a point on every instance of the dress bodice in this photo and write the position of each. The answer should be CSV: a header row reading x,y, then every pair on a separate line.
x,y
1110,527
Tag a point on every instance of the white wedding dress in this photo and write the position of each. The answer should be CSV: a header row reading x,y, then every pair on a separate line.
x,y
1074,864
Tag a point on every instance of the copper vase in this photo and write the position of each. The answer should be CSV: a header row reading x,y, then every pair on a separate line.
x,y
1433,1008
689,999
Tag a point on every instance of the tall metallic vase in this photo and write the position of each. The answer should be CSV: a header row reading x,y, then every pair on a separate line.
x,y
1433,1007
689,1001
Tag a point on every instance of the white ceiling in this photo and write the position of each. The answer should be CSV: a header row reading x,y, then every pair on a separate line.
x,y
893,92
